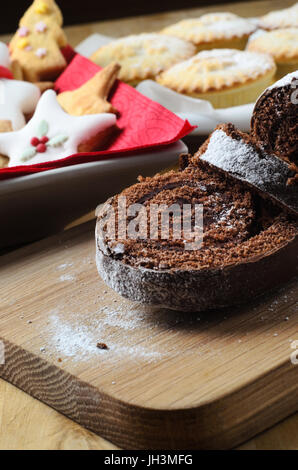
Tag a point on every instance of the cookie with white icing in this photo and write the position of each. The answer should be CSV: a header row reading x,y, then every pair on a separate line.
x,y
225,77
37,44
53,134
214,30
17,98
282,44
4,55
143,56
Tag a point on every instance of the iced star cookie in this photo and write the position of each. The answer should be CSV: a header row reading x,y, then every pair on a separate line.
x,y
143,56
37,44
4,55
92,97
53,134
214,30
18,99
286,18
225,77
282,44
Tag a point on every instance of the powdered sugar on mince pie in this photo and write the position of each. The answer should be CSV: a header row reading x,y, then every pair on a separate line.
x,y
282,44
211,27
144,55
287,18
51,134
216,69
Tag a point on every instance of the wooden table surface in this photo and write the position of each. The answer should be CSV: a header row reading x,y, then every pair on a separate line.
x,y
26,423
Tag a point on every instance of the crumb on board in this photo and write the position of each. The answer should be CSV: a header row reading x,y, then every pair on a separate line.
x,y
102,346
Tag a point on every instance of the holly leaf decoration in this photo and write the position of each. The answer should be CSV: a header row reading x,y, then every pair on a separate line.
x,y
57,140
28,153
43,129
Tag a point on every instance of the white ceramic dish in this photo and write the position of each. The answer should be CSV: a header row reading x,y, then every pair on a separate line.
x,y
198,112
34,206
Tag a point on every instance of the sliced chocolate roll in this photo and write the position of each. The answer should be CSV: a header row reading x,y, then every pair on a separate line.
x,y
231,151
274,123
248,246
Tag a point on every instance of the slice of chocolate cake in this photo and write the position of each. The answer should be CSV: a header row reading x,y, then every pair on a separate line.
x,y
274,123
235,153
248,246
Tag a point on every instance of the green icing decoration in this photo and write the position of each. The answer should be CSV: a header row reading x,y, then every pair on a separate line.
x,y
43,129
28,153
58,140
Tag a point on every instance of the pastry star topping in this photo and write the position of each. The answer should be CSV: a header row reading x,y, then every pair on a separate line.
x,y
52,134
17,99
92,97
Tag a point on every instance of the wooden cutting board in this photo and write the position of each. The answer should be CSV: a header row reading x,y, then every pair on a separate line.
x,y
168,379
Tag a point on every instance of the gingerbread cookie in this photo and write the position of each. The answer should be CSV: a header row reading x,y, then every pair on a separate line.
x,y
92,97
53,134
37,44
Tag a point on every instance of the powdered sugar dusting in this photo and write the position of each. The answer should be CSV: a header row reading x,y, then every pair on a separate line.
x,y
212,26
281,18
64,266
239,158
284,81
218,67
67,277
77,337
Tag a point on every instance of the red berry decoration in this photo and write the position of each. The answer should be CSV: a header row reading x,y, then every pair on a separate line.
x,y
41,148
34,141
44,139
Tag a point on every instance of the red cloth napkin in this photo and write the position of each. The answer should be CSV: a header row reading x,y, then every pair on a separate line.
x,y
143,123
5,72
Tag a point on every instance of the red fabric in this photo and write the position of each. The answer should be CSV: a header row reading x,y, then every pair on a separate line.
x,y
5,72
143,123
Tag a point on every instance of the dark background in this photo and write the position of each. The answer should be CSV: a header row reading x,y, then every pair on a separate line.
x,y
84,11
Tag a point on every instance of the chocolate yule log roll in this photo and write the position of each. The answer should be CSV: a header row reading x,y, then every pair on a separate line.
x,y
274,124
248,247
235,153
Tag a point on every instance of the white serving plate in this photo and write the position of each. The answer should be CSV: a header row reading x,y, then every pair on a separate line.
x,y
38,205
198,112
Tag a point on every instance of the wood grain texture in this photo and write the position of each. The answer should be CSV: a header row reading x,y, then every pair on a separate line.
x,y
168,380
26,423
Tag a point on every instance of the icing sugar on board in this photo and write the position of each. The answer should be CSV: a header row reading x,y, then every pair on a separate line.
x,y
168,379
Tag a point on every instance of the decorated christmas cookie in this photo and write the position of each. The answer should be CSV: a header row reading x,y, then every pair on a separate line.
x,y
37,44
17,98
53,134
92,97
4,55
